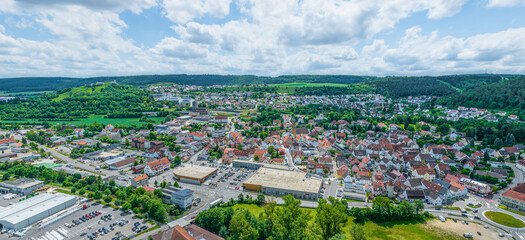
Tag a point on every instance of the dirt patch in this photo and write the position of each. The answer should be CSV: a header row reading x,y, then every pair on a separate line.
x,y
473,228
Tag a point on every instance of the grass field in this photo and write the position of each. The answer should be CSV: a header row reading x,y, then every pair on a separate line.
x,y
389,231
504,219
97,119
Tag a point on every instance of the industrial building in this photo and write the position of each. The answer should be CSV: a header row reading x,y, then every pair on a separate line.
x,y
21,186
194,174
32,210
173,195
284,182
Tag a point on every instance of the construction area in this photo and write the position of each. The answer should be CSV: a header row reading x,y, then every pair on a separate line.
x,y
193,174
279,182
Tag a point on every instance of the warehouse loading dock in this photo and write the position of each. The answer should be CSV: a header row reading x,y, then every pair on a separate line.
x,y
279,182
194,174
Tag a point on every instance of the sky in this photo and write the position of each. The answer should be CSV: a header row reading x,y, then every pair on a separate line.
x,y
86,38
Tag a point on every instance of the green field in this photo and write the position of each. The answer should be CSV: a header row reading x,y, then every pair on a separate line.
x,y
504,219
97,119
84,89
391,231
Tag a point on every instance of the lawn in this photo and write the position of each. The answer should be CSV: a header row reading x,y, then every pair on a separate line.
x,y
402,230
98,119
504,219
84,89
393,231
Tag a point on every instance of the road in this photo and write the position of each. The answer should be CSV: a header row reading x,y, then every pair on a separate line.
x,y
76,163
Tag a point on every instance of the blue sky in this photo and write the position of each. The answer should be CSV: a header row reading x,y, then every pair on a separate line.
x,y
84,38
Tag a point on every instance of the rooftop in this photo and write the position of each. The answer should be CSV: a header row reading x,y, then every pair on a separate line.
x,y
34,206
284,179
193,171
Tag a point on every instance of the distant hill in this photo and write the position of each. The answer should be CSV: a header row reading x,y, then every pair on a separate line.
x,y
50,84
505,95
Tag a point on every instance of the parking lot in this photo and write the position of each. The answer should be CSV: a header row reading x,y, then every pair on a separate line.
x,y
102,219
231,178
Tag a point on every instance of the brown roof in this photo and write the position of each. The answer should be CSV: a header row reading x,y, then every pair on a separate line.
x,y
163,161
176,233
517,193
140,178
200,233
124,162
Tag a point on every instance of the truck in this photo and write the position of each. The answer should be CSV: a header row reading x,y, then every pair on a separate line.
x,y
443,219
212,204
467,235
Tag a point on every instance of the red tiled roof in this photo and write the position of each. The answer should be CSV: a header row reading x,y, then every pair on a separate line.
x,y
517,193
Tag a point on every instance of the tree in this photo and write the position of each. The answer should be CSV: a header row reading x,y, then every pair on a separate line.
x,y
510,140
73,190
330,216
82,191
156,183
419,206
240,198
498,142
444,128
176,184
107,192
108,199
121,195
241,227
160,214
357,232
290,222
97,195
126,206
158,193
177,160
260,199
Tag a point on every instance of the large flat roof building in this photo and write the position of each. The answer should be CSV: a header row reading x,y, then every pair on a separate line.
x,y
32,210
279,182
193,173
23,185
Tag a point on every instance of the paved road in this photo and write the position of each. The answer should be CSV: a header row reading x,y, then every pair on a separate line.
x,y
77,164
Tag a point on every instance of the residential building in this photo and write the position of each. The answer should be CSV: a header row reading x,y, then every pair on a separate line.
x,y
157,167
514,197
140,181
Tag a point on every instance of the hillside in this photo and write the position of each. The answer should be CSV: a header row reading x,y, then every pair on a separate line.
x,y
504,95
411,86
112,101
51,84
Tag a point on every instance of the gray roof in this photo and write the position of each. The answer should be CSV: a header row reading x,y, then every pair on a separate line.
x,y
26,209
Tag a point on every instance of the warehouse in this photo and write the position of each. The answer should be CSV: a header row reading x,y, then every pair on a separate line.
x,y
283,182
22,186
194,174
32,210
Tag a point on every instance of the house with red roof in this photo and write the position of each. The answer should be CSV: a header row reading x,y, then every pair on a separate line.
x,y
157,167
514,197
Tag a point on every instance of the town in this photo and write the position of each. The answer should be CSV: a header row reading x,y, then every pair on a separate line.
x,y
223,146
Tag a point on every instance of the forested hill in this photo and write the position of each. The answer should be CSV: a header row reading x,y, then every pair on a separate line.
x,y
506,95
110,101
50,84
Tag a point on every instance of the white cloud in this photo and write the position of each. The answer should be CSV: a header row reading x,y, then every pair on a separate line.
x,y
183,11
505,3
